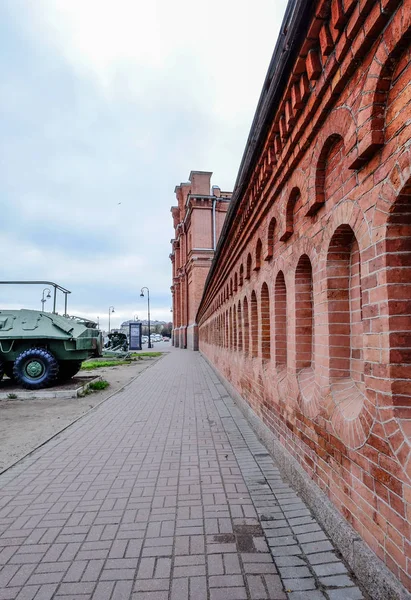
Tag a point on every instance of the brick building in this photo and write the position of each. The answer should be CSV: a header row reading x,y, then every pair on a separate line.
x,y
306,311
198,220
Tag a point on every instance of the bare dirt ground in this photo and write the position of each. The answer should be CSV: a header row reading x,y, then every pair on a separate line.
x,y
26,424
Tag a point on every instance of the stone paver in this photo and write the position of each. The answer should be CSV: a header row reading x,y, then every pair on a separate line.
x,y
162,493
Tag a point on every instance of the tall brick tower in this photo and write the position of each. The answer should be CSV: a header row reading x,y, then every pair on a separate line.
x,y
198,220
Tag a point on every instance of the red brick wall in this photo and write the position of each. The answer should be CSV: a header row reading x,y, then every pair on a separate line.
x,y
321,252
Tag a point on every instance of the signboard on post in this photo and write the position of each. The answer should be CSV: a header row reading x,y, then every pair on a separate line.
x,y
135,336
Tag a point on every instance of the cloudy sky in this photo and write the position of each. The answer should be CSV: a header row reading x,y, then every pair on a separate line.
x,y
105,106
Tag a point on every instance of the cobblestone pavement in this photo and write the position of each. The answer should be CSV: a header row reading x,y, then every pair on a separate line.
x,y
162,493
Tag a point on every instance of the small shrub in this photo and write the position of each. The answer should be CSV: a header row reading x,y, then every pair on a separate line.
x,y
11,396
99,385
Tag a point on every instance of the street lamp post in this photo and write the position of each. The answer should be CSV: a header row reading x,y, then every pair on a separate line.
x,y
148,310
44,299
110,310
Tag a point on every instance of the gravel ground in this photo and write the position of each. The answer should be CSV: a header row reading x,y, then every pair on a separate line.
x,y
26,424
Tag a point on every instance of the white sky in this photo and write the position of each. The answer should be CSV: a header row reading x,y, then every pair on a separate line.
x,y
116,101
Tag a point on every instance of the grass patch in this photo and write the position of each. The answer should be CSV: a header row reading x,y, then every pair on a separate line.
x,y
11,396
99,385
98,364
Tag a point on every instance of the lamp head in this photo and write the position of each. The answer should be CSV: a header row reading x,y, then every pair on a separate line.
x,y
112,310
48,295
142,295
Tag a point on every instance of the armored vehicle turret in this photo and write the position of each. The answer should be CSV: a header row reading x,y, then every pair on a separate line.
x,y
37,348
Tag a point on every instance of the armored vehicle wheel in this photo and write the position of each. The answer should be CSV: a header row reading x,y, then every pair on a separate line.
x,y
35,368
8,370
68,368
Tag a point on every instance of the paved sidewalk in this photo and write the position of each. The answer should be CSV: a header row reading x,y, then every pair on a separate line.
x,y
162,493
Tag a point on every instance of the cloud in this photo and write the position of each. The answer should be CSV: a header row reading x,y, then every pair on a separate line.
x,y
107,105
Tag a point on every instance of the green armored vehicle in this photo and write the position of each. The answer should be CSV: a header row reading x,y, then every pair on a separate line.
x,y
38,348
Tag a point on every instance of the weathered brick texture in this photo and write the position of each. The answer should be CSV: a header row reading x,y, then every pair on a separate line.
x,y
307,309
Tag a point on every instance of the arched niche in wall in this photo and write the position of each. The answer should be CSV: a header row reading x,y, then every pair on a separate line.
x,y
235,332
254,325
241,275
304,327
248,266
398,261
240,327
289,214
388,79
345,335
230,322
258,252
265,323
235,282
280,304
270,239
329,174
246,327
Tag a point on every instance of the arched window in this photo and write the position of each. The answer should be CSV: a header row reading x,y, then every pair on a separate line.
x,y
254,325
240,327
235,282
246,327
265,323
226,330
280,321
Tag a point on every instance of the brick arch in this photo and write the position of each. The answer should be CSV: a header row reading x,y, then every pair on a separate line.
x,y
246,327
270,239
258,255
372,111
339,124
289,214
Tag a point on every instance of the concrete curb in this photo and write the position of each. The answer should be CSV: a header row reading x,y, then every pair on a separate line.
x,y
370,571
